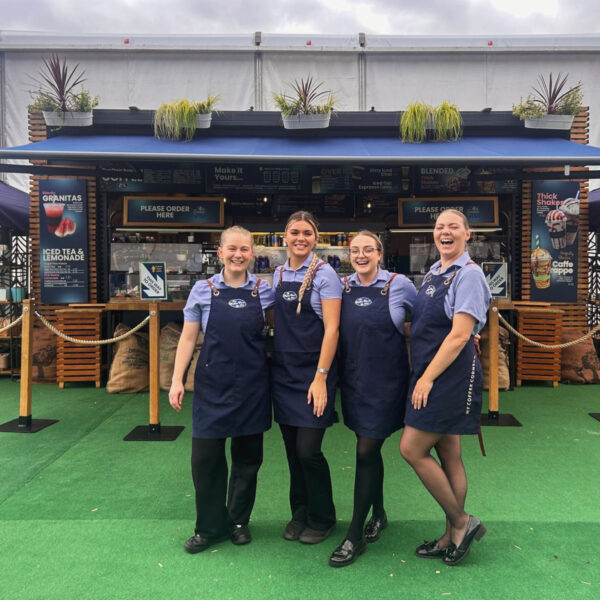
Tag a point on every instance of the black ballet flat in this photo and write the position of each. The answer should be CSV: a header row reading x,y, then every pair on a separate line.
x,y
430,550
455,554
374,527
347,553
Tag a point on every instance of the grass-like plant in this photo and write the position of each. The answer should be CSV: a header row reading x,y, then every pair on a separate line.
x,y
448,122
307,99
176,120
415,120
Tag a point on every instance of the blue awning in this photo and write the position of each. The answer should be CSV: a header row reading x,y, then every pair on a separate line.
x,y
14,209
471,150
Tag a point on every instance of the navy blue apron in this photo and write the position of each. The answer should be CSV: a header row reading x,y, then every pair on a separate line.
x,y
373,363
231,383
297,347
454,403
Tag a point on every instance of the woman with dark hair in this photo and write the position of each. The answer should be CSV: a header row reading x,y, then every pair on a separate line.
x,y
444,397
231,391
304,376
373,380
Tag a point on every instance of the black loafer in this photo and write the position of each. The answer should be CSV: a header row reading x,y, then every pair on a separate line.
x,y
240,535
431,550
315,536
346,553
199,543
475,531
374,527
293,530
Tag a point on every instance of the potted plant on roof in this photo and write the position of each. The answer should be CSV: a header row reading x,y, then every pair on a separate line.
x,y
308,107
57,97
550,106
179,119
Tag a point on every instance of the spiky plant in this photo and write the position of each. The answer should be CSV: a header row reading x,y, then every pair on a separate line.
x,y
57,83
448,122
415,120
307,99
550,94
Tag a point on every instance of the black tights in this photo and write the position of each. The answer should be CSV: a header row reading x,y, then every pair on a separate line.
x,y
368,485
311,495
209,472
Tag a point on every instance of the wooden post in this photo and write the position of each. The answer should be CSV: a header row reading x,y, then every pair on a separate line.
x,y
26,363
493,368
154,367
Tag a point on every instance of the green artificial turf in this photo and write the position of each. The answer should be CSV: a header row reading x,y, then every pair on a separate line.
x,y
84,514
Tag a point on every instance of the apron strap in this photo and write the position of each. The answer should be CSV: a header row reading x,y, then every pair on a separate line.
x,y
481,444
254,292
346,286
386,287
215,291
280,276
313,275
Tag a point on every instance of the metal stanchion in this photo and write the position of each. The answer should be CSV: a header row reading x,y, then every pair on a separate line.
x,y
25,423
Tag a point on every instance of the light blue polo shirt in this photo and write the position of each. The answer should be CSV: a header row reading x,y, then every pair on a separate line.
x,y
197,307
402,294
325,286
469,292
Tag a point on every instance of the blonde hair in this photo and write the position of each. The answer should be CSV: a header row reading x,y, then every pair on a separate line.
x,y
373,236
456,212
235,229
304,215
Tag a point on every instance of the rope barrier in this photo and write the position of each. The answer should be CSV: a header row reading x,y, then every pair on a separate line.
x,y
7,327
546,346
59,333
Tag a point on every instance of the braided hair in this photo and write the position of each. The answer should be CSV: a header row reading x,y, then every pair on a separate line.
x,y
303,215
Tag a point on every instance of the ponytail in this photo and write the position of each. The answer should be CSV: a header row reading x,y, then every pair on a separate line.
x,y
308,277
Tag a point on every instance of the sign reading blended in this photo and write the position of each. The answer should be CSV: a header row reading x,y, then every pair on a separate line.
x,y
419,212
554,241
63,241
186,211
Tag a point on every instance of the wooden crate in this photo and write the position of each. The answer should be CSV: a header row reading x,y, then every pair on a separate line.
x,y
542,325
76,362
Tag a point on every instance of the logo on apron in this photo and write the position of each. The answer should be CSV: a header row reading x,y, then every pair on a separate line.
x,y
363,301
290,296
237,303
430,291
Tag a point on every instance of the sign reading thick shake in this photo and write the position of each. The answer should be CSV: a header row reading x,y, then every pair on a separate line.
x,y
554,241
63,241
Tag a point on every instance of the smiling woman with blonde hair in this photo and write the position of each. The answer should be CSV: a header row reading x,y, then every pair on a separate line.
x,y
304,375
231,391
444,398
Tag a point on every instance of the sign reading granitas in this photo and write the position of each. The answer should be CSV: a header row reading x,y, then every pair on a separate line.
x,y
554,241
63,241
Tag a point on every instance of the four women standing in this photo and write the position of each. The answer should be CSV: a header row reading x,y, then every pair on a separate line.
x,y
231,397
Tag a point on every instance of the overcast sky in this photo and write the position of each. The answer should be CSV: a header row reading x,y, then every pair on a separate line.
x,y
307,16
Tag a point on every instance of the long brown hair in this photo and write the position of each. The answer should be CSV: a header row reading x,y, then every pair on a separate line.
x,y
304,215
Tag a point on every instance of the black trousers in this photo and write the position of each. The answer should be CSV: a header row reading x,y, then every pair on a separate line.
x,y
209,472
311,495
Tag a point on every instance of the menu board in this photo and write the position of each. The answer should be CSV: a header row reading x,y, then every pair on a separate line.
x,y
481,211
256,178
554,241
156,179
173,211
496,186
453,180
63,241
355,178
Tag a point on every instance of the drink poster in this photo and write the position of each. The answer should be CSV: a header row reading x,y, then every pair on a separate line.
x,y
554,241
63,241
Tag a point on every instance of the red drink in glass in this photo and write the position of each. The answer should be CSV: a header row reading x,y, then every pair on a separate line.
x,y
54,213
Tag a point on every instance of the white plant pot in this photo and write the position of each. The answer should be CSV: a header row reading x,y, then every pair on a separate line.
x,y
306,121
203,121
68,119
550,122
